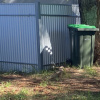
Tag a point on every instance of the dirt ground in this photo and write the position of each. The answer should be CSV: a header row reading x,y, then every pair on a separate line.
x,y
74,80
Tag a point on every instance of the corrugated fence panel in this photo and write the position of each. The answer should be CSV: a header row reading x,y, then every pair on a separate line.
x,y
17,9
15,67
70,10
54,21
18,37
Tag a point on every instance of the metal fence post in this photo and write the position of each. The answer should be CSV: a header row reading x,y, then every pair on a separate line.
x,y
37,11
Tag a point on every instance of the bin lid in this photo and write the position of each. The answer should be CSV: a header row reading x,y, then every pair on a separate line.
x,y
83,27
80,26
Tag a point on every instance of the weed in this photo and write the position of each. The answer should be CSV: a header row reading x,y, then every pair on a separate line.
x,y
21,96
65,74
11,96
44,83
6,84
46,73
79,96
90,71
74,67
45,98
24,91
97,65
9,73
57,79
1,89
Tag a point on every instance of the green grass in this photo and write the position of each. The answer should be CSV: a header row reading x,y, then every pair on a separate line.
x,y
53,87
44,83
90,71
79,95
11,96
6,84
24,91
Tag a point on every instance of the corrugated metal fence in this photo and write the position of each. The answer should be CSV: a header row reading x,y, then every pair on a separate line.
x,y
18,37
21,49
54,32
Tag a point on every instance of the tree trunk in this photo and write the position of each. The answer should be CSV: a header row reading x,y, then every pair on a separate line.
x,y
97,43
98,14
88,11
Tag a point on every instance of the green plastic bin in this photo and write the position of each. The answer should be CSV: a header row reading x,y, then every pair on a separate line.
x,y
82,41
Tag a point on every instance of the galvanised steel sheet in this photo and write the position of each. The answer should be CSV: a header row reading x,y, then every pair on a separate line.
x,y
18,37
54,9
54,33
15,67
17,9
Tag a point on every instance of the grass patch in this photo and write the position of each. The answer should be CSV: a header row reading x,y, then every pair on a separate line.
x,y
6,84
44,83
11,96
78,95
67,86
68,96
24,91
90,71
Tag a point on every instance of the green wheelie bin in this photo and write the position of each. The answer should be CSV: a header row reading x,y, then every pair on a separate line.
x,y
82,41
